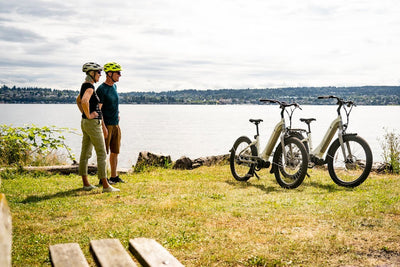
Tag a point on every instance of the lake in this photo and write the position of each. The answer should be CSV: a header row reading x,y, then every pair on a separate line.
x,y
201,130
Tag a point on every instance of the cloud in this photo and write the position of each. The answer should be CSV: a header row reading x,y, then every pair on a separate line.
x,y
35,8
165,45
13,34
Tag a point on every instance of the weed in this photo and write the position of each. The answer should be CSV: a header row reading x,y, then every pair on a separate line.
x,y
391,150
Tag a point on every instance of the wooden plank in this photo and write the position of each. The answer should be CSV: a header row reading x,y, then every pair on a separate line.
x,y
150,253
110,253
67,255
5,232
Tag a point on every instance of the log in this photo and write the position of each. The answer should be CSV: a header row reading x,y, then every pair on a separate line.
x,y
61,169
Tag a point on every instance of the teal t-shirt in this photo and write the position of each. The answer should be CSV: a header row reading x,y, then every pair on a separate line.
x,y
109,98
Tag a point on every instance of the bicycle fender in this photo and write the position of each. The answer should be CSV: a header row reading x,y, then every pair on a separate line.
x,y
230,150
350,134
275,159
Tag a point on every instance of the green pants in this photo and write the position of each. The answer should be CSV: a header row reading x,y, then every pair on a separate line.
x,y
93,137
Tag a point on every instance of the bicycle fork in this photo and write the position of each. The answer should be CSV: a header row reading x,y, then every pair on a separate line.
x,y
346,157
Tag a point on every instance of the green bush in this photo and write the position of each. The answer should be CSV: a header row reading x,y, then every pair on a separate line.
x,y
391,150
30,144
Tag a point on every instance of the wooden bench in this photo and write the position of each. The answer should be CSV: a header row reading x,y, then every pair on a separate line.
x,y
110,253
106,252
5,232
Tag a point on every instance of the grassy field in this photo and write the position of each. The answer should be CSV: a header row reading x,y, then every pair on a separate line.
x,y
206,218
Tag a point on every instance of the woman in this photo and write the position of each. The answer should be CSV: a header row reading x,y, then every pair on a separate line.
x,y
88,104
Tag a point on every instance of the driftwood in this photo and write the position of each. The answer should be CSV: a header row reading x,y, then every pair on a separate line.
x,y
61,169
65,169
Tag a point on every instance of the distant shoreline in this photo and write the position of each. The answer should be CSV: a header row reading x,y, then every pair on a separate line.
x,y
364,95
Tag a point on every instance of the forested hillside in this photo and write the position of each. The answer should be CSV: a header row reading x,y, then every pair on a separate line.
x,y
366,95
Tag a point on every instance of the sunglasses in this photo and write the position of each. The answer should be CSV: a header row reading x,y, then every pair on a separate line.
x,y
117,72
99,72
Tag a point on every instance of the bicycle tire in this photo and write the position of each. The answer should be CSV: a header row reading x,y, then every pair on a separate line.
x,y
292,174
242,171
352,171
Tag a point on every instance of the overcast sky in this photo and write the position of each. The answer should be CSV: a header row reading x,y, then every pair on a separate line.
x,y
204,44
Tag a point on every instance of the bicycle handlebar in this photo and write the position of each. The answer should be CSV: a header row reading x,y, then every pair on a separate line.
x,y
282,104
340,100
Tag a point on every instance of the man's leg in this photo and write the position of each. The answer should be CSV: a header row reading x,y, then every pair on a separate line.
x,y
114,133
113,164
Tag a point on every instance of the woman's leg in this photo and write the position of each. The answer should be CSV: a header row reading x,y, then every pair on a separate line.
x,y
86,153
97,139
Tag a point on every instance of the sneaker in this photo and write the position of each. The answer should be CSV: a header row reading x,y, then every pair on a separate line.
x,y
108,180
116,180
89,187
110,189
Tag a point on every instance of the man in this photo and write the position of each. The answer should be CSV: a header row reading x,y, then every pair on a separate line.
x,y
109,104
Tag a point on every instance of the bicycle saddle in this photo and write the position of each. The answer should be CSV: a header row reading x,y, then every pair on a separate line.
x,y
307,120
255,121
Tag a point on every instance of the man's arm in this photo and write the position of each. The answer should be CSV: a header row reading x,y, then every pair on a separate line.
x,y
105,130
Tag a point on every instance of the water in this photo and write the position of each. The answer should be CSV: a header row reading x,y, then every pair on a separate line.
x,y
201,130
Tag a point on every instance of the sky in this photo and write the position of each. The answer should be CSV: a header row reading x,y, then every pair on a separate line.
x,y
165,45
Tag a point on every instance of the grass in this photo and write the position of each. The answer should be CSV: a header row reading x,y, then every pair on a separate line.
x,y
206,218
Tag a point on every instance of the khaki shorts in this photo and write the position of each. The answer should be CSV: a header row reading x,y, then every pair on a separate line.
x,y
113,140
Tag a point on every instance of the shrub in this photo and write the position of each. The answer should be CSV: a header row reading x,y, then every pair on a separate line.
x,y
30,144
391,150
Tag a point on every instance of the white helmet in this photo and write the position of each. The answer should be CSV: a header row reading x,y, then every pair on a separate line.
x,y
91,66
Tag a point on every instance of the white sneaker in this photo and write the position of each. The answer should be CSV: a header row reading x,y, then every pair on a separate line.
x,y
110,189
89,187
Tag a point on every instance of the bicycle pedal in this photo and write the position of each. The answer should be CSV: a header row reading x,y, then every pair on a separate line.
x,y
263,164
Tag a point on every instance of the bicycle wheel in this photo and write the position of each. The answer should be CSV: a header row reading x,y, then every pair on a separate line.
x,y
241,154
290,173
352,169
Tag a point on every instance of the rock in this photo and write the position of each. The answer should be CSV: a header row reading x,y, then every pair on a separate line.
x,y
147,159
381,167
184,163
210,161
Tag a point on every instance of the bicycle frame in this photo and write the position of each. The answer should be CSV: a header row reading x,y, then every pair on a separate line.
x,y
267,152
323,146
271,142
289,161
279,132
336,125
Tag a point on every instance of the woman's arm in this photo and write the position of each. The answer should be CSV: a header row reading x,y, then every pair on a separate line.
x,y
85,104
79,103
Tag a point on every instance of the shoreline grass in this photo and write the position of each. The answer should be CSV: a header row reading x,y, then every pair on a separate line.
x,y
206,218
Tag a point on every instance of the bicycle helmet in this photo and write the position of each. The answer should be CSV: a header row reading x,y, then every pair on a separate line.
x,y
112,66
91,66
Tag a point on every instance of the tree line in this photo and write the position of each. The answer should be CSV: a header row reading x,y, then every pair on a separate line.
x,y
363,95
